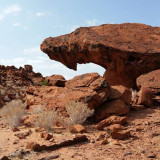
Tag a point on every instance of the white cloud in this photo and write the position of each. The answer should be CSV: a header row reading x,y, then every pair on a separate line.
x,y
16,24
13,9
91,22
32,51
41,14
41,63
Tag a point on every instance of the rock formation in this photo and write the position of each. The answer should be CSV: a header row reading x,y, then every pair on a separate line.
x,y
125,50
91,89
13,82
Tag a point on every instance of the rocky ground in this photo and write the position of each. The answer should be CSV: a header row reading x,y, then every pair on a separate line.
x,y
44,118
144,142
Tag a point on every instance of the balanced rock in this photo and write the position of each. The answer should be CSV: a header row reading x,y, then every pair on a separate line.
x,y
126,50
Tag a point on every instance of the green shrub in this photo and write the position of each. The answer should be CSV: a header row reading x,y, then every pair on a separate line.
x,y
44,83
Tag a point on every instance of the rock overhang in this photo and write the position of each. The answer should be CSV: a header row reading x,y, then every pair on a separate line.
x,y
130,48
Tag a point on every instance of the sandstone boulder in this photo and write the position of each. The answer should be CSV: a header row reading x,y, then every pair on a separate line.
x,y
56,80
145,96
117,107
91,89
121,92
126,50
118,132
111,120
78,128
28,68
150,80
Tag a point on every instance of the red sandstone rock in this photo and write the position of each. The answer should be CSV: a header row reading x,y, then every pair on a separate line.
x,y
121,92
33,146
117,107
150,80
13,82
145,96
77,129
56,80
111,120
126,50
28,68
90,88
118,132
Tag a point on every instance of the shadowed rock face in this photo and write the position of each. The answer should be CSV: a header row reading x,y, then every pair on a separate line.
x,y
124,50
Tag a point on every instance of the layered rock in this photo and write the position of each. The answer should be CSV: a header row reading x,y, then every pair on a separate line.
x,y
125,50
91,89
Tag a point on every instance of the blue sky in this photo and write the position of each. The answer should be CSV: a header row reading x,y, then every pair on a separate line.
x,y
24,24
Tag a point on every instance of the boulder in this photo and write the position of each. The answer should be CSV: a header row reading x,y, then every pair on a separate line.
x,y
56,80
120,92
28,68
126,50
145,96
78,128
111,120
116,107
118,132
91,89
150,80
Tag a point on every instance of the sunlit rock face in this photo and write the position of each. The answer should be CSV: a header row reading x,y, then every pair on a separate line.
x,y
124,50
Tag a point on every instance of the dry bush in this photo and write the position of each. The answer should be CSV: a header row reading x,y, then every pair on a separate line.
x,y
134,95
78,112
13,113
47,119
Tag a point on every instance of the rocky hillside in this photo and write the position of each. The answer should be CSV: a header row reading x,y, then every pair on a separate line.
x,y
13,82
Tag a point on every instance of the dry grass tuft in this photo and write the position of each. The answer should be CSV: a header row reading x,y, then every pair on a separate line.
x,y
13,113
78,112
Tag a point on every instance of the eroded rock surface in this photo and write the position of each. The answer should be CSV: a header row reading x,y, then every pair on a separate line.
x,y
125,50
91,89
13,82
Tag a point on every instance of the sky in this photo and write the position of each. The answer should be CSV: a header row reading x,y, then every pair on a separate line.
x,y
24,24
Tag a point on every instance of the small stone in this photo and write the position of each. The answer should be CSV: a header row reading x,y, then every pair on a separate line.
x,y
118,132
32,145
101,136
15,129
78,128
127,153
103,142
46,136
5,158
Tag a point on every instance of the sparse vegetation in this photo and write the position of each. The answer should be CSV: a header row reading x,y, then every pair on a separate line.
x,y
47,119
44,83
13,113
78,112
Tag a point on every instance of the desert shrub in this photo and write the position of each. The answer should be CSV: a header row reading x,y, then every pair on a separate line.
x,y
44,83
13,113
78,112
48,118
134,95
